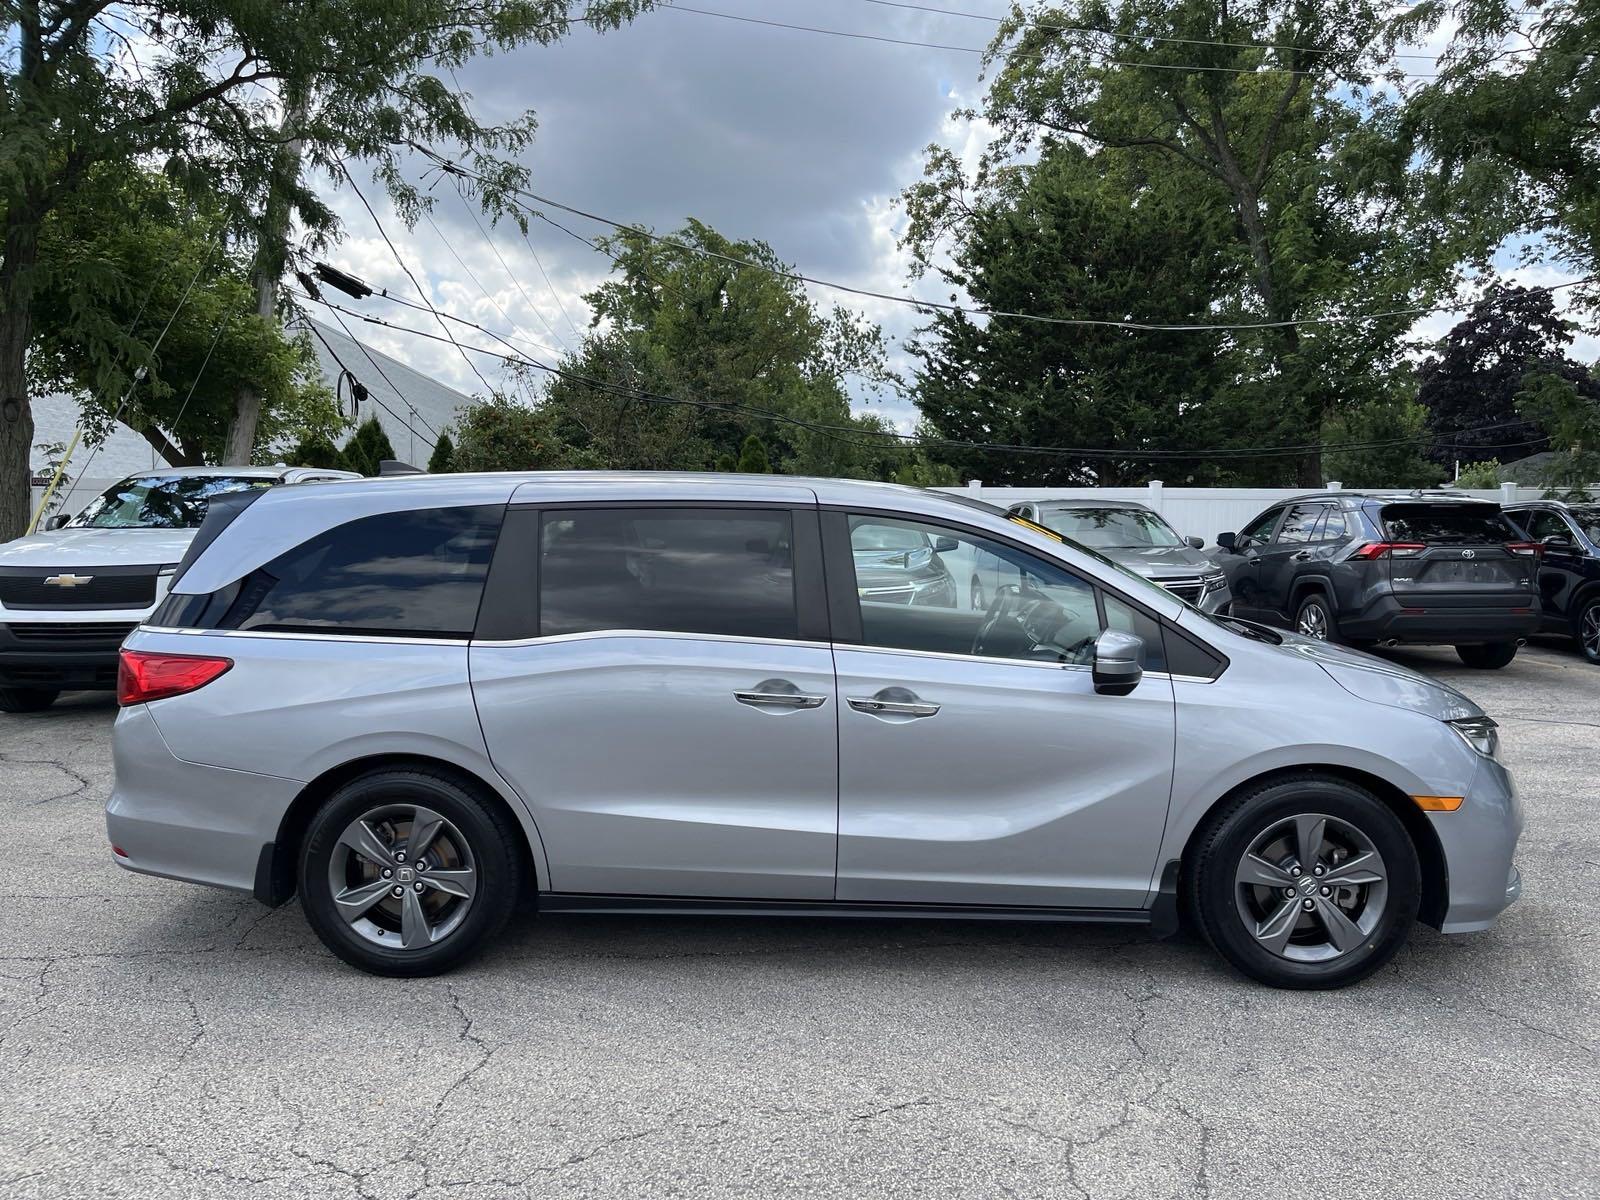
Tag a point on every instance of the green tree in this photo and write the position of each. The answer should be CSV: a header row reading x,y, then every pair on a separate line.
x,y
1510,119
1059,237
241,97
368,447
317,450
1380,444
753,457
442,460
116,277
1480,476
689,344
502,434
1265,108
1570,410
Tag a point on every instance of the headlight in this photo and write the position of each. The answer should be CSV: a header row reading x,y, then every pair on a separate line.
x,y
1478,732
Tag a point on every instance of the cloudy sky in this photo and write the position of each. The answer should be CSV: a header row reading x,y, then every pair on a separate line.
x,y
799,139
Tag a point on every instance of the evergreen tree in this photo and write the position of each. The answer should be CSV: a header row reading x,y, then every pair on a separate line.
x,y
442,461
369,447
753,457
317,450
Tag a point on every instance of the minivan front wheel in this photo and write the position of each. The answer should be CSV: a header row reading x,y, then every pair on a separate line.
x,y
1487,656
1309,882
407,872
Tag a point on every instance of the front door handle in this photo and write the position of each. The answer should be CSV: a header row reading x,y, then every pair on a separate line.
x,y
873,706
778,693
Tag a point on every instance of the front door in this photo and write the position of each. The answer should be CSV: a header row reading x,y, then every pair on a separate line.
x,y
670,718
977,765
1245,563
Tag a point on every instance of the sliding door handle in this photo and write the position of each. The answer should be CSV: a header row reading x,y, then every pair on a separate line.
x,y
780,700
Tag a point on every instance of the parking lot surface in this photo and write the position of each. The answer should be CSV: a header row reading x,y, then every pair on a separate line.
x,y
158,1039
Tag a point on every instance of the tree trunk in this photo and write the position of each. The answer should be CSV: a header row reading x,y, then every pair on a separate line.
x,y
16,327
271,255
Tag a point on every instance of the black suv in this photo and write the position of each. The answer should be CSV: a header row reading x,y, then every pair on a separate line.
x,y
1569,571
1387,567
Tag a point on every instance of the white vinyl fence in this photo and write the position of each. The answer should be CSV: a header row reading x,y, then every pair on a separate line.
x,y
1195,512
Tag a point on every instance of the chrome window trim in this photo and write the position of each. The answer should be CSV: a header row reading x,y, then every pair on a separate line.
x,y
678,635
303,635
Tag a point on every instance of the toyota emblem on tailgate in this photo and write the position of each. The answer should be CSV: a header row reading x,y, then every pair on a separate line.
x,y
68,581
1469,554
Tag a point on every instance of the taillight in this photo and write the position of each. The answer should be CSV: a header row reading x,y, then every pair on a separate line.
x,y
1526,549
143,675
1389,550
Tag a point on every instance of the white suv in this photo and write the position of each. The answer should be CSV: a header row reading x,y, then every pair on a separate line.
x,y
70,594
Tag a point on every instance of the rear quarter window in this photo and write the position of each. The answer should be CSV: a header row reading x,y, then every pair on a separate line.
x,y
407,574
1430,523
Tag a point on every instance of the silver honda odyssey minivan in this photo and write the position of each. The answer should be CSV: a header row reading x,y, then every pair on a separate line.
x,y
417,701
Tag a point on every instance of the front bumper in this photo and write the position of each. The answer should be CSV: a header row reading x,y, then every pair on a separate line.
x,y
1479,841
61,655
185,821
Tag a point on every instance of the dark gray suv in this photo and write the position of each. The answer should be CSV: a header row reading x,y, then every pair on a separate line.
x,y
1371,568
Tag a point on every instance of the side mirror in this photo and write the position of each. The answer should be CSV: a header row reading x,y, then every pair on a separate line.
x,y
1195,543
1116,662
1228,541
943,545
1557,541
57,521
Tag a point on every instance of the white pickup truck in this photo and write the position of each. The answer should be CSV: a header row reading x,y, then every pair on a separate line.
x,y
71,593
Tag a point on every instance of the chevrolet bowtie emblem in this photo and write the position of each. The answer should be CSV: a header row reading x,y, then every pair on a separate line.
x,y
68,581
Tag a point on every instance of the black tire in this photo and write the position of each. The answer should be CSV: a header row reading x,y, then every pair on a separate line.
x,y
26,700
1586,627
1318,604
491,836
1212,894
1487,656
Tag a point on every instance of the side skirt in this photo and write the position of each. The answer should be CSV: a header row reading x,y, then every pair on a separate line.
x,y
576,902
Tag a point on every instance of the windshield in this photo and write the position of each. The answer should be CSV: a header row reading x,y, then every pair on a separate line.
x,y
886,537
1149,593
1111,528
1587,517
161,501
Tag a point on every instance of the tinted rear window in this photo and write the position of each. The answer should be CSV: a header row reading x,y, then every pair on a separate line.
x,y
712,571
1429,523
417,574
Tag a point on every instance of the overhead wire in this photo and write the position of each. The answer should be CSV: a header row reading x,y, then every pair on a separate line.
x,y
1130,37
864,437
374,397
450,167
886,39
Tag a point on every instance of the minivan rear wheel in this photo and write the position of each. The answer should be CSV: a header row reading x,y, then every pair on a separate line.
x,y
407,872
1308,882
1487,656
26,700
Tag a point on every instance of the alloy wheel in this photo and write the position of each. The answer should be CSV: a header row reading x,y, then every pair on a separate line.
x,y
1311,888
1589,632
402,876
1313,622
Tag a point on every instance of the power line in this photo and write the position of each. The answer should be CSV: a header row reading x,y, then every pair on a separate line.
x,y
378,400
855,434
453,168
515,282
554,295
977,50
1128,37
392,250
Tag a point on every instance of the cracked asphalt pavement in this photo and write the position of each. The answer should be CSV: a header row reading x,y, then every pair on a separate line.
x,y
163,1040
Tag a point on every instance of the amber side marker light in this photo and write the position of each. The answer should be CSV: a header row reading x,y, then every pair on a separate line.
x,y
1438,803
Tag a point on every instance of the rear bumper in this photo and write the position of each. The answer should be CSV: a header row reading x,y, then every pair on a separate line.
x,y
1479,841
78,656
1388,619
185,821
